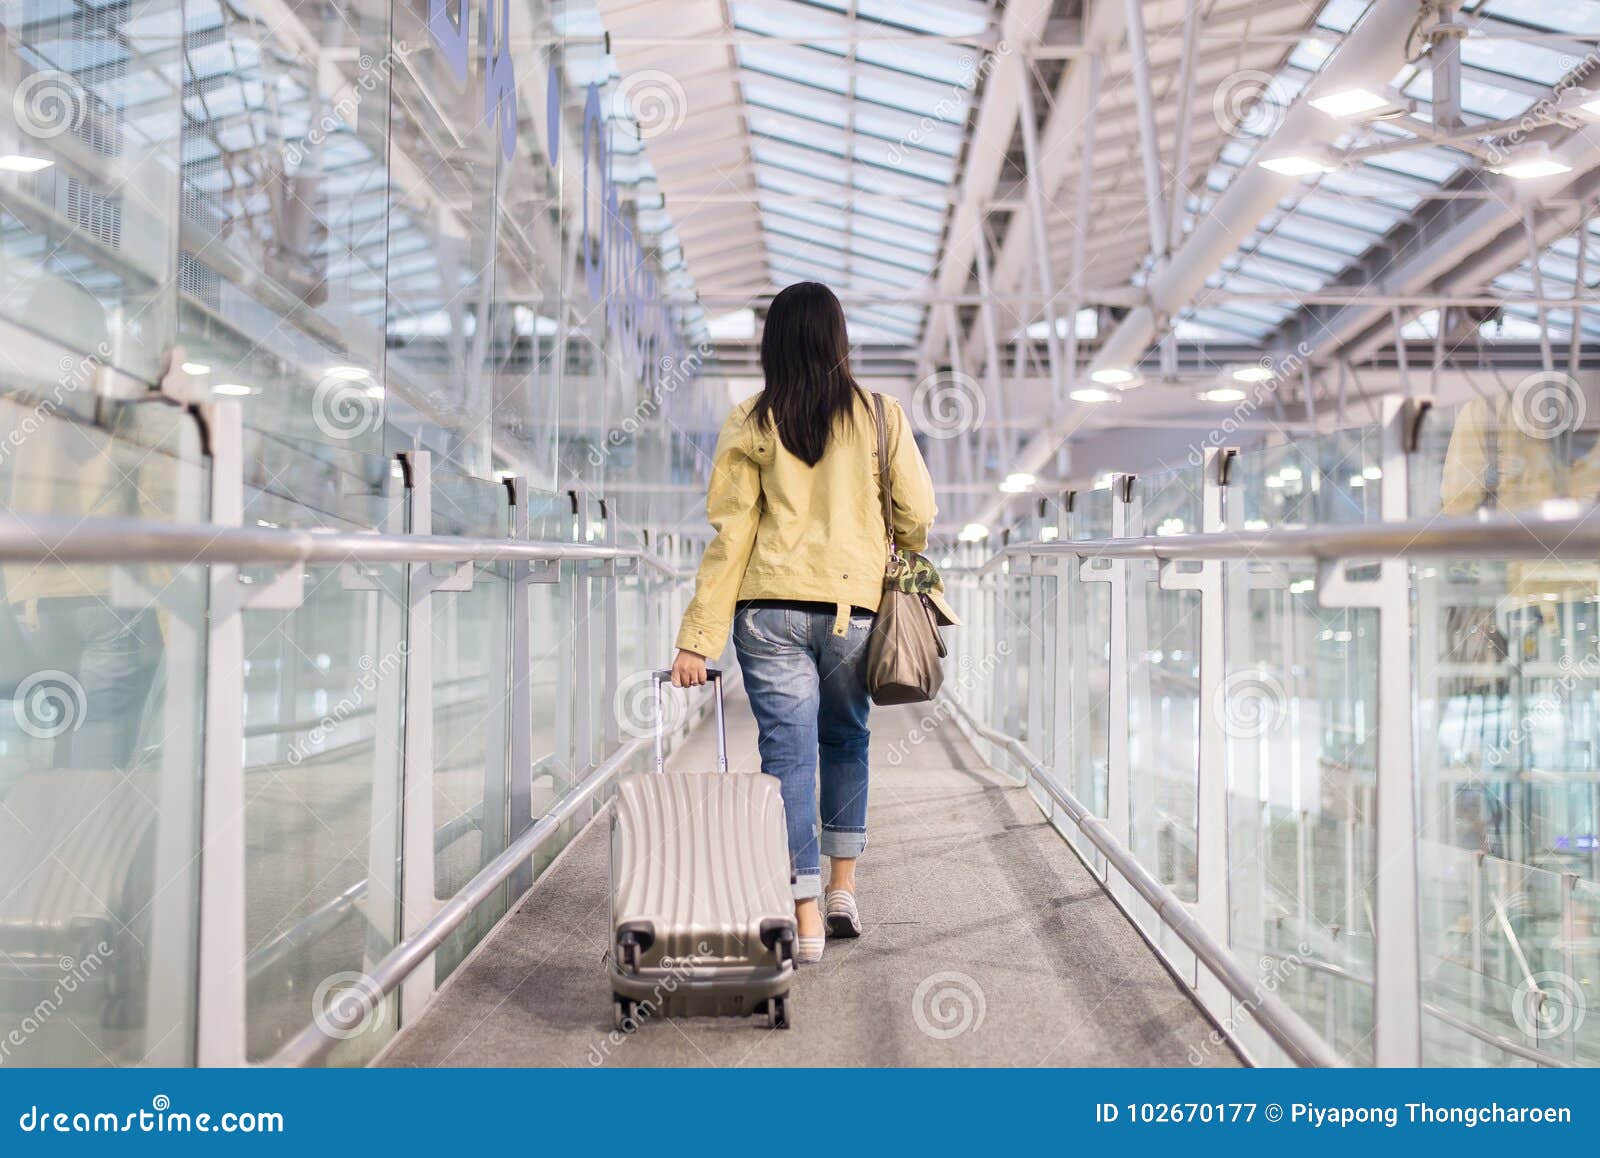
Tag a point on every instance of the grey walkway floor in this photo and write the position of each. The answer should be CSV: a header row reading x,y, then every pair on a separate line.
x,y
986,943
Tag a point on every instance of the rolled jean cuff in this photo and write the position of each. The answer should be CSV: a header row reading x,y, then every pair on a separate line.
x,y
808,886
848,845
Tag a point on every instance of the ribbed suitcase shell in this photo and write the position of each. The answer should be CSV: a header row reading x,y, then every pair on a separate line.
x,y
702,914
701,861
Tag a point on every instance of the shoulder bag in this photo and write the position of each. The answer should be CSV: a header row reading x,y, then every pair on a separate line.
x,y
905,656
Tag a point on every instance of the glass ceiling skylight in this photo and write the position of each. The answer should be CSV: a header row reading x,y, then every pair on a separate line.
x,y
856,145
1329,224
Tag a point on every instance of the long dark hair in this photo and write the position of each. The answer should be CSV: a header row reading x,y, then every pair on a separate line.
x,y
805,358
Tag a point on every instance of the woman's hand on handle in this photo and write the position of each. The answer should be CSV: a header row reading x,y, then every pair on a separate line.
x,y
688,670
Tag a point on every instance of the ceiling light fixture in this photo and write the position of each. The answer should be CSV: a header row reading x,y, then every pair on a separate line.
x,y
1357,102
1531,162
1018,482
1114,376
17,163
973,533
1221,394
1297,165
1091,394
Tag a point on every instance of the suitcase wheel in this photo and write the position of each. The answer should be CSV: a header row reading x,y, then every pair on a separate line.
x,y
778,1012
622,1011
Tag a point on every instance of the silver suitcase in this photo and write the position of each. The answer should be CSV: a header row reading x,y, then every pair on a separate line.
x,y
702,909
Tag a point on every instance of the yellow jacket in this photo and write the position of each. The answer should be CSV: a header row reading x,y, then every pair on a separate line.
x,y
1525,472
785,530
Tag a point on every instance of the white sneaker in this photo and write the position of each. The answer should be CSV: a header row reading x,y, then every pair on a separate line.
x,y
839,908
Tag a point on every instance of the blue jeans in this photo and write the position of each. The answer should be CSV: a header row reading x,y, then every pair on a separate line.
x,y
808,690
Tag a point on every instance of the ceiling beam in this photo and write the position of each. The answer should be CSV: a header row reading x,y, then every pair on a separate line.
x,y
1022,28
1372,52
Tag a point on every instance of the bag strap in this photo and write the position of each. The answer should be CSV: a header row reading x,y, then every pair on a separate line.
x,y
1491,471
885,487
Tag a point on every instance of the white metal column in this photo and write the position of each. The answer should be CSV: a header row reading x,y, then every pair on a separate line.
x,y
1397,984
1211,780
220,1021
417,900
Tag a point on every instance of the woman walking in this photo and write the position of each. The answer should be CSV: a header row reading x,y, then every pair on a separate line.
x,y
796,570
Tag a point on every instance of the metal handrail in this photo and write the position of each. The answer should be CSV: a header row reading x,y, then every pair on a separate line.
x,y
53,539
1272,1013
314,1042
1561,529
1433,1010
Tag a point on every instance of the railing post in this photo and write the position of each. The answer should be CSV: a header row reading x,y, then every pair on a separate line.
x,y
1065,700
388,762
610,578
1038,685
172,950
220,1022
1118,815
221,1015
1397,982
583,755
416,809
418,902
1211,778
519,745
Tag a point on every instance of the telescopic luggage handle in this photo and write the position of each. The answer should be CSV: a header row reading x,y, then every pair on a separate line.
x,y
714,674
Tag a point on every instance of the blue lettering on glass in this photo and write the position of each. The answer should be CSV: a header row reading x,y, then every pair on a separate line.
x,y
552,116
500,77
593,253
449,36
615,268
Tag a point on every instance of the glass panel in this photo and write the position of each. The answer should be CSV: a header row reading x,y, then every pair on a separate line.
x,y
442,250
550,612
1508,664
281,262
89,191
1300,724
323,713
1164,692
1091,622
101,675
471,671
